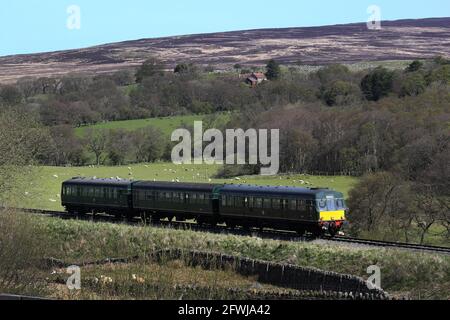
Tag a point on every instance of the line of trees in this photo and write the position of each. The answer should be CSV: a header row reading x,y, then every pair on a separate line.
x,y
150,91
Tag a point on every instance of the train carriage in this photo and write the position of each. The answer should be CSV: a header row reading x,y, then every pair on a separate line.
x,y
288,208
82,195
176,200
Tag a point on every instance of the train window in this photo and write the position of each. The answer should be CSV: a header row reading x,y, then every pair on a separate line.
x,y
340,204
293,205
301,205
258,203
310,206
276,203
229,201
267,203
284,204
251,202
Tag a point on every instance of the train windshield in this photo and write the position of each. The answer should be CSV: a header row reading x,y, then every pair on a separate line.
x,y
331,203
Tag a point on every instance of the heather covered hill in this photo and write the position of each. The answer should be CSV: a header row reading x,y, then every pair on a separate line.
x,y
397,40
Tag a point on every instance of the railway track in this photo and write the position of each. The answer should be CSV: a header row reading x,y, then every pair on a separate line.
x,y
267,234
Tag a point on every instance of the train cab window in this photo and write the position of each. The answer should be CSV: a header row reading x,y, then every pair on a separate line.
x,y
340,204
322,204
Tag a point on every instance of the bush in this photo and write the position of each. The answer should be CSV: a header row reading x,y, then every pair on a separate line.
x,y
23,246
377,84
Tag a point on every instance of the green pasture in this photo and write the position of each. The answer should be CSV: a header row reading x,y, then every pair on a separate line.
x,y
167,124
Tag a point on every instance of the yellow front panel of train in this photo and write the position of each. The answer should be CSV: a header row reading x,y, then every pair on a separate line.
x,y
332,215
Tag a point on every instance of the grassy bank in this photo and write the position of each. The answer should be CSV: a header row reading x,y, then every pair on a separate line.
x,y
404,273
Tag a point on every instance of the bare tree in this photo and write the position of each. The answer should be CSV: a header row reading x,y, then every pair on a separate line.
x,y
96,142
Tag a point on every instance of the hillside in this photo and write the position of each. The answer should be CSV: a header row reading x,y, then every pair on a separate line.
x,y
398,40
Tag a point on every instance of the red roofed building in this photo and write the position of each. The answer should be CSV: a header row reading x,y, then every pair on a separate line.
x,y
255,78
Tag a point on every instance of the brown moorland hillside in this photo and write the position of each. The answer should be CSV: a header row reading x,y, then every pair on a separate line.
x,y
397,40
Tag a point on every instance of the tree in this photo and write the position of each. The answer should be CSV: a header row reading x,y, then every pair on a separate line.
x,y
440,74
96,142
10,95
413,84
119,146
376,202
181,68
414,66
22,141
377,84
340,93
149,144
123,78
273,70
67,148
151,67
429,208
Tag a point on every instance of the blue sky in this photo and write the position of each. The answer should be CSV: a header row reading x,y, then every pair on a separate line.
x,y
29,26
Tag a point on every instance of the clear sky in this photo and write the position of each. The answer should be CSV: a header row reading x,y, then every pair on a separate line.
x,y
29,26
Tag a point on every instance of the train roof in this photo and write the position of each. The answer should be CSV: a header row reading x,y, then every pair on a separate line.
x,y
280,190
174,186
98,182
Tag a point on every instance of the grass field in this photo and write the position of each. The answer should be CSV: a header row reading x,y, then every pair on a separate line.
x,y
45,190
166,125
29,238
